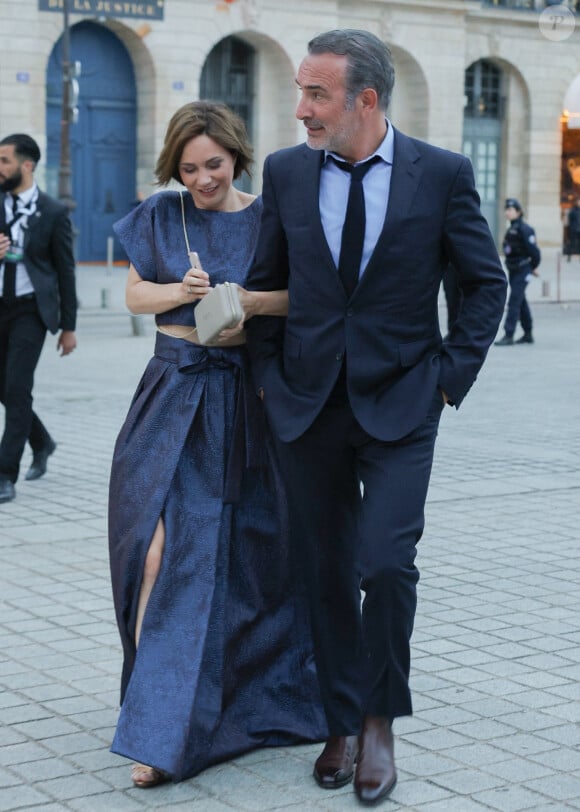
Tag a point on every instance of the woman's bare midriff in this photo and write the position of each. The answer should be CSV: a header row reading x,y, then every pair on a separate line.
x,y
190,334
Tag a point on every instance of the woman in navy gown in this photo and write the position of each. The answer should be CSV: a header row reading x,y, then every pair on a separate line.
x,y
216,643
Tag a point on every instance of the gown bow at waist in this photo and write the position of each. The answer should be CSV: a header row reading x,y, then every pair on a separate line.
x,y
248,442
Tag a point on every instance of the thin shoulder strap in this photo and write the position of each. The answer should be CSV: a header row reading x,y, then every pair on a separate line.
x,y
183,221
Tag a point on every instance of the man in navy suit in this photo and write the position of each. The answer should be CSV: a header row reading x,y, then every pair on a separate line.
x,y
354,383
37,293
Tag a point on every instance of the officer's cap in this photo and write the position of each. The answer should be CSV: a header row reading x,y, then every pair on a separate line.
x,y
514,203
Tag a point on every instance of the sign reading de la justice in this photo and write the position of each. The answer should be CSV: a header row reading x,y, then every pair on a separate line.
x,y
107,8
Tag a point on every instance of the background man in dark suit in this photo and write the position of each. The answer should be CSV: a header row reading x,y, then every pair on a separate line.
x,y
354,382
37,293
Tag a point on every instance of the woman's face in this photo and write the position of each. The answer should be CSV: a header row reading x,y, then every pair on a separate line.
x,y
207,171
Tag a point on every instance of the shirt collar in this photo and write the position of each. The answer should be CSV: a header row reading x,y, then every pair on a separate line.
x,y
27,196
385,150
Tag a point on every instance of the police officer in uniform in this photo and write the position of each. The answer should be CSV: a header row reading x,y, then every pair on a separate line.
x,y
522,257
573,246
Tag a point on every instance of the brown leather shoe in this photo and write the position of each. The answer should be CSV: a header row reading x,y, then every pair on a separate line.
x,y
334,767
375,772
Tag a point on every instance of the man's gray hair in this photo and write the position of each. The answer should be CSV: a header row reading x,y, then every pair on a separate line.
x,y
370,63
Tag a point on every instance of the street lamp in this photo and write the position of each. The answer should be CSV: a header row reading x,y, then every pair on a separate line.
x,y
69,112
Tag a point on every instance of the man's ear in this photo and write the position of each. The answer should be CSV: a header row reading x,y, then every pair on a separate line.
x,y
28,165
369,99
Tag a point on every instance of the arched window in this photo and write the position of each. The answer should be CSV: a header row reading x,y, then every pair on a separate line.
x,y
228,76
483,90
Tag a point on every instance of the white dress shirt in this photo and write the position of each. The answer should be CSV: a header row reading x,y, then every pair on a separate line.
x,y
333,198
27,205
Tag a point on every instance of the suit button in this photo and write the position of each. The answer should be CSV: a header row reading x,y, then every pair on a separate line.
x,y
350,312
339,356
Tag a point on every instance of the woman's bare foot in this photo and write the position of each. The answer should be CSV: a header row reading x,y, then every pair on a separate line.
x,y
145,777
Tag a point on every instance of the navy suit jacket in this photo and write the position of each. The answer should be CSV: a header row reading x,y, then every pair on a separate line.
x,y
389,328
49,260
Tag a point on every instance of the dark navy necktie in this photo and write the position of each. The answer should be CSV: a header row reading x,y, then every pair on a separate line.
x,y
9,288
353,230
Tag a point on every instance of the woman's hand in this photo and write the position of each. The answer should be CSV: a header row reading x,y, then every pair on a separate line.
x,y
194,285
254,303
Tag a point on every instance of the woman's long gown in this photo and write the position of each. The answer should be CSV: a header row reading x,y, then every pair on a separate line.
x,y
224,662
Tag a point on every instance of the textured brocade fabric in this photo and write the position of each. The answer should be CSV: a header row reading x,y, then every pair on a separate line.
x,y
225,658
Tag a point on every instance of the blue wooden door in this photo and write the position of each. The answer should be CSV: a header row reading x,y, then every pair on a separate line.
x,y
102,142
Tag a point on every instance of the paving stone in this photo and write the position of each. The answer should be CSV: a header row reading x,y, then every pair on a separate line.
x,y
412,792
458,804
446,715
33,772
73,786
467,781
475,755
20,796
427,764
11,700
514,798
560,787
519,770
526,744
73,743
45,728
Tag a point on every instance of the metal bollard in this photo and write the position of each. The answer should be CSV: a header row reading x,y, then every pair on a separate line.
x,y
137,325
545,288
109,256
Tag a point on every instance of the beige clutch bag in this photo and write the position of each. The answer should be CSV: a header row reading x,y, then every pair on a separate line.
x,y
218,310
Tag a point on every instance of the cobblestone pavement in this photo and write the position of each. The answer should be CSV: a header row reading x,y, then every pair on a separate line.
x,y
496,650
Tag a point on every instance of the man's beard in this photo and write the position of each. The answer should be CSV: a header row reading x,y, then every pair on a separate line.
x,y
11,183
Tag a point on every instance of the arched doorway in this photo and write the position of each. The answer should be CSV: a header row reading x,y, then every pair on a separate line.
x,y
228,76
482,130
409,108
103,142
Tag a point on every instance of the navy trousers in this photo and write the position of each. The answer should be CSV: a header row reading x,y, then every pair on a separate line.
x,y
22,335
352,538
518,308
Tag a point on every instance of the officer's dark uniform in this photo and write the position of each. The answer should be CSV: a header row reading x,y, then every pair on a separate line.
x,y
522,257
573,246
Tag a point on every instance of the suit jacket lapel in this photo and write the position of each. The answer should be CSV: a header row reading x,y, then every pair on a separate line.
x,y
312,166
405,179
313,159
309,166
34,219
2,212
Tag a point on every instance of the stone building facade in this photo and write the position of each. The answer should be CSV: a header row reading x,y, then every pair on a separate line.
x,y
491,78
